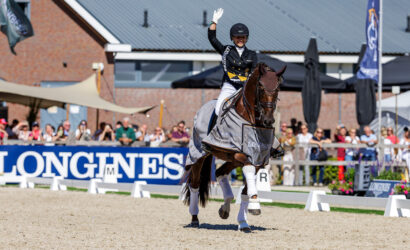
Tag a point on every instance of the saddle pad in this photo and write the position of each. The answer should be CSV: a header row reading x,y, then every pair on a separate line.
x,y
257,143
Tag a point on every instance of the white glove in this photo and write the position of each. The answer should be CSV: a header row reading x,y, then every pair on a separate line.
x,y
217,15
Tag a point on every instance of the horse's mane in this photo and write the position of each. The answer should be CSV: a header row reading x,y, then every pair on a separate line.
x,y
253,78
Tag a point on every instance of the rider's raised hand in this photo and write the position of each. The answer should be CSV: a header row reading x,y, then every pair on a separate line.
x,y
217,15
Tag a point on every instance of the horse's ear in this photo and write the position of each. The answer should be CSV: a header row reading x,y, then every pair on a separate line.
x,y
262,69
280,72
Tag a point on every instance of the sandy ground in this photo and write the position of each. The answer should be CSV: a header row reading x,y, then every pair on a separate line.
x,y
65,220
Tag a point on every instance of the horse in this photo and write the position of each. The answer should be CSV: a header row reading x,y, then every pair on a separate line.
x,y
254,106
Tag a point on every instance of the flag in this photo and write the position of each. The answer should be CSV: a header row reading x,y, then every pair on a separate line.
x,y
369,66
14,24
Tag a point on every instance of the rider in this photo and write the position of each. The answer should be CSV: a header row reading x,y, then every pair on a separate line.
x,y
237,60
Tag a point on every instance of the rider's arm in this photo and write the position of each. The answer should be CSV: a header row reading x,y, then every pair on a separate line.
x,y
214,41
212,31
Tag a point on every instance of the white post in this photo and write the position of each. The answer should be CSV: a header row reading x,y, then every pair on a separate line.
x,y
92,187
313,202
392,210
138,192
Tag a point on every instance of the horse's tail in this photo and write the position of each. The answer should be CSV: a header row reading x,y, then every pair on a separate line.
x,y
185,192
204,182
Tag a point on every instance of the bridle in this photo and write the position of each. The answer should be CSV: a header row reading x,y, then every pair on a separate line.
x,y
260,105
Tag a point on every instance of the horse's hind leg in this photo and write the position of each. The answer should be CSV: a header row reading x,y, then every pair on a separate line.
x,y
222,178
194,181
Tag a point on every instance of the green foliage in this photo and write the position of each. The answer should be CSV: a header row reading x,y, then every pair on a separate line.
x,y
349,175
388,175
331,172
239,176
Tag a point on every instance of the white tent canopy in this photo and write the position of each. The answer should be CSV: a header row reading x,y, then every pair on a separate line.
x,y
84,93
389,112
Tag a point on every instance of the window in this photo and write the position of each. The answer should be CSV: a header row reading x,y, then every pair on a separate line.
x,y
150,74
25,6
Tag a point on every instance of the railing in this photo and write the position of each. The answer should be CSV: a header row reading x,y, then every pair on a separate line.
x,y
380,162
298,160
394,206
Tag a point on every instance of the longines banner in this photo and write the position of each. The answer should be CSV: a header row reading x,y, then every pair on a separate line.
x,y
154,165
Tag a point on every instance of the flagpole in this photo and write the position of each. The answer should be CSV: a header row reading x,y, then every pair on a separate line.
x,y
379,85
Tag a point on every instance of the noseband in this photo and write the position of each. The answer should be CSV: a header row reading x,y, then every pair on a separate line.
x,y
260,106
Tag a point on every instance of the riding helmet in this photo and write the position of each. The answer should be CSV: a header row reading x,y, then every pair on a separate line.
x,y
239,29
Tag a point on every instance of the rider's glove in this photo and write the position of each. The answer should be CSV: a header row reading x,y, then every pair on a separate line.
x,y
217,15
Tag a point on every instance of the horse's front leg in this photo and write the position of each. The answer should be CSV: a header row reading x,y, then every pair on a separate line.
x,y
249,172
222,178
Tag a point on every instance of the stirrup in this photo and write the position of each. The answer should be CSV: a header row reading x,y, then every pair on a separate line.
x,y
254,206
244,227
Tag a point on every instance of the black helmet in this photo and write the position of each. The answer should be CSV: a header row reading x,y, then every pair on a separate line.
x,y
239,29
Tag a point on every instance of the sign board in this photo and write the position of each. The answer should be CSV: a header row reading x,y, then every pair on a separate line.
x,y
381,188
263,180
153,165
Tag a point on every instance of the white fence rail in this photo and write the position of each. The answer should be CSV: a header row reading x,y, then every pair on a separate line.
x,y
395,205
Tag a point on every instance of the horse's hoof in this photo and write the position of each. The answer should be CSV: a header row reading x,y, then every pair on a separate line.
x,y
246,230
194,224
244,227
254,206
223,214
254,211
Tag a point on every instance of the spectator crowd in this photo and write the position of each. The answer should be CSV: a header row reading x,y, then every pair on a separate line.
x,y
297,132
124,132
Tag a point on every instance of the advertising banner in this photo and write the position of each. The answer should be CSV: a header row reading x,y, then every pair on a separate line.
x,y
154,165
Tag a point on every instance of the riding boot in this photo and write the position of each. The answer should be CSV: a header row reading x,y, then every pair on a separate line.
x,y
212,122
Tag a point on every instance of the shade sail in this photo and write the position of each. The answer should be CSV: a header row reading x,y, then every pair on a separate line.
x,y
84,93
293,77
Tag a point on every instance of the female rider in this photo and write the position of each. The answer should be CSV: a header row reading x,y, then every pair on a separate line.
x,y
237,60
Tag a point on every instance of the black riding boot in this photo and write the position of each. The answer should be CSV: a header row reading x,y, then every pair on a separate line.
x,y
212,122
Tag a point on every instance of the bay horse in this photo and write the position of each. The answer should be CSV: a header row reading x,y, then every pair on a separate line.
x,y
255,103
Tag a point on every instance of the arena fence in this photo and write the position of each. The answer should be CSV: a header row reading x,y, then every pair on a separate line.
x,y
394,206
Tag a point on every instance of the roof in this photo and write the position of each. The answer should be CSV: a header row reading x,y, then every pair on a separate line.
x,y
280,26
84,93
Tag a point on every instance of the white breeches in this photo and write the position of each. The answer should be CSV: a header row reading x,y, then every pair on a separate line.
x,y
226,91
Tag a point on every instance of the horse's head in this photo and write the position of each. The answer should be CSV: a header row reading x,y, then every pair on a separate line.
x,y
267,89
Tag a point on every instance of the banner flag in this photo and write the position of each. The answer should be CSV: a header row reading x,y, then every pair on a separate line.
x,y
14,24
369,66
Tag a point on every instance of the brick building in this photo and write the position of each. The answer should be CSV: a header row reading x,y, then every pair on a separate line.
x,y
142,56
